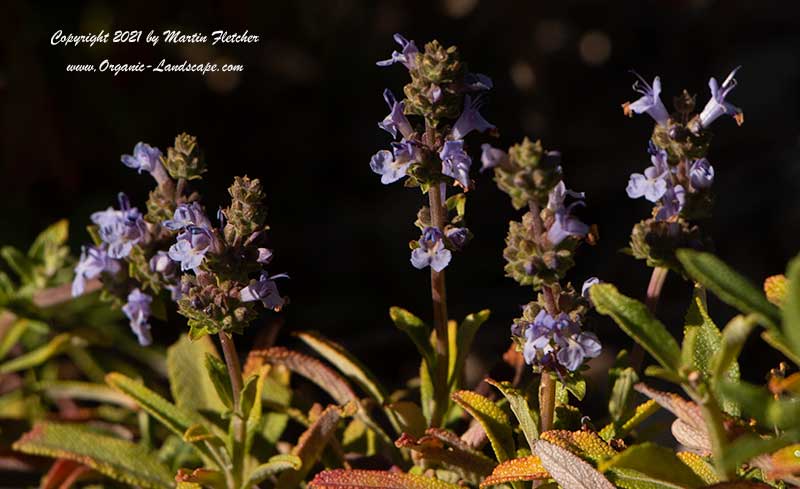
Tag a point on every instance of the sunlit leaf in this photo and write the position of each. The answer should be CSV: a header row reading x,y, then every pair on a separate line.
x,y
493,420
700,466
527,418
660,463
189,381
518,469
569,470
310,446
417,330
442,446
587,444
273,466
375,479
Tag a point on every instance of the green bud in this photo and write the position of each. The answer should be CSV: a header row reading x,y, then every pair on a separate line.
x,y
527,263
435,67
680,143
184,159
529,175
247,211
656,241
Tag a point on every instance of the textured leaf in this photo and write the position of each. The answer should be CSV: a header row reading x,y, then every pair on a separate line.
x,y
518,469
632,479
733,338
621,392
584,443
759,403
38,356
465,335
699,465
691,437
527,418
493,420
418,331
310,446
189,381
791,307
728,285
635,319
440,445
409,417
657,462
219,378
375,479
570,471
750,446
621,429
686,411
274,465
88,391
782,464
119,459
739,485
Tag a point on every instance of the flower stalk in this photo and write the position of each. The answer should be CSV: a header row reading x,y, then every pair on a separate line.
x,y
547,400
439,298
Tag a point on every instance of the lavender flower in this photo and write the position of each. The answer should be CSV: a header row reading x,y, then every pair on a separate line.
x,y
470,119
653,184
672,203
138,312
392,166
565,225
561,336
163,264
701,174
191,247
406,56
396,120
717,105
265,290
477,82
187,215
556,197
264,256
93,262
574,349
144,158
120,229
492,157
431,251
458,237
649,102
456,162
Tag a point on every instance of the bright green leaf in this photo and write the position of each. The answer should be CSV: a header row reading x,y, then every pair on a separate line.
x,y
418,331
493,420
527,418
191,386
465,335
657,462
40,355
274,465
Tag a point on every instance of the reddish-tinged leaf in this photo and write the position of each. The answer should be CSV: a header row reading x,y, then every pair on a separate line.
x,y
61,472
494,421
783,464
583,443
691,438
309,447
443,446
739,485
686,411
375,479
570,471
518,469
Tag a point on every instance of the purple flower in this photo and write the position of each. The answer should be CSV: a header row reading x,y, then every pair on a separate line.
x,y
538,336
574,349
163,264
191,247
392,165
555,200
264,290
264,256
431,251
406,56
588,285
144,157
187,215
458,237
396,120
650,101
671,203
456,162
561,335
701,174
470,119
492,157
120,229
477,82
565,225
717,105
653,184
434,94
93,262
138,312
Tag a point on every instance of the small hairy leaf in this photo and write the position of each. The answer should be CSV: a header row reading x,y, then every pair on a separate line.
x,y
657,462
570,471
189,381
527,418
375,479
417,330
621,429
465,335
728,285
119,459
584,443
691,437
686,411
635,319
699,466
632,479
88,391
309,447
274,465
750,446
219,378
439,445
493,420
38,356
733,338
518,469
409,417
759,403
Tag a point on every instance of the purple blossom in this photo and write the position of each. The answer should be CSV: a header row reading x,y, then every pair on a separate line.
x,y
458,237
476,82
187,215
574,349
407,55
561,336
649,102
653,184
587,284
396,120
470,119
392,165
265,290
701,174
434,94
163,264
492,157
191,247
717,105
431,251
138,312
264,256
565,225
672,203
144,158
456,162
557,196
120,229
94,261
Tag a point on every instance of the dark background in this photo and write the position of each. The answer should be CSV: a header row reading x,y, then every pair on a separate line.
x,y
302,117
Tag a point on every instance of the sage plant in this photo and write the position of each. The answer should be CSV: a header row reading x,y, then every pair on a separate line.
x,y
429,125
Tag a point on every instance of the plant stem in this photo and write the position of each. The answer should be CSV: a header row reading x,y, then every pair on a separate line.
x,y
657,279
716,433
547,400
237,421
439,297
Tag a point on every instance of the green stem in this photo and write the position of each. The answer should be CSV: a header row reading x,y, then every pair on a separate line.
x,y
712,415
237,422
547,400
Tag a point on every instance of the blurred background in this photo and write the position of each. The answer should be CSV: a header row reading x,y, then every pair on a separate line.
x,y
302,117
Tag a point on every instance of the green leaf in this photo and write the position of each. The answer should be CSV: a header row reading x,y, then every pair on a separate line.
x,y
568,469
274,465
728,285
418,331
791,308
657,462
18,262
634,318
119,459
253,414
759,403
309,447
409,416
528,419
623,378
515,470
457,202
218,375
34,358
733,338
12,334
464,337
192,388
776,340
375,479
49,247
493,420
88,391
445,447
748,446
632,479
425,390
